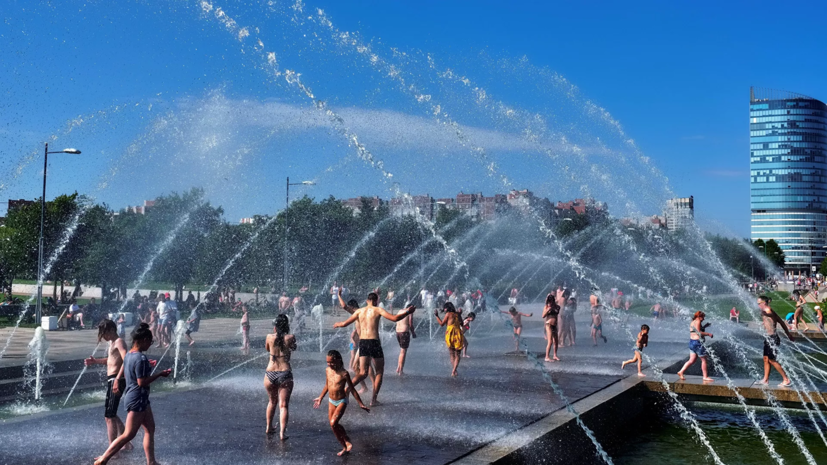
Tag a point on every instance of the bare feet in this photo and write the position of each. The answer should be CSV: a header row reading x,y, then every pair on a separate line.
x,y
708,380
763,382
348,446
556,359
284,437
641,375
680,375
548,359
786,383
193,342
374,403
623,365
466,356
99,461
342,452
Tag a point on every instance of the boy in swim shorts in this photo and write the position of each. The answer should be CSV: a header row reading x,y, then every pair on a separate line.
x,y
338,386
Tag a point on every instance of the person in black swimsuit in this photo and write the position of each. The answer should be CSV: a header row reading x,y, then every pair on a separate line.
x,y
278,379
551,312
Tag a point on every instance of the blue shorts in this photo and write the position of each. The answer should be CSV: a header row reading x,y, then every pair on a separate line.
x,y
697,348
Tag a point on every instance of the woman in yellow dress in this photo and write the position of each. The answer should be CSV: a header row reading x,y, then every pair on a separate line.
x,y
454,338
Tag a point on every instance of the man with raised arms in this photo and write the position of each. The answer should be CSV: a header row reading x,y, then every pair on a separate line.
x,y
370,346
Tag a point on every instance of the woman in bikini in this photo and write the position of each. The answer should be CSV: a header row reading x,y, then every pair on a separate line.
x,y
551,311
278,379
696,347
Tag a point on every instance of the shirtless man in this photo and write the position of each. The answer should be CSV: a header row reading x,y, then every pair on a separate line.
x,y
771,320
115,381
370,347
284,303
351,306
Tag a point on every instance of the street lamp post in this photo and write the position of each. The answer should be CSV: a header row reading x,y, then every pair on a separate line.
x,y
40,277
287,227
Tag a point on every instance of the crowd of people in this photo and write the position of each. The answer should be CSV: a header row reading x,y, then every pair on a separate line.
x,y
129,372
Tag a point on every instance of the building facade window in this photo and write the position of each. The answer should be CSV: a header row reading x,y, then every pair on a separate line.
x,y
788,172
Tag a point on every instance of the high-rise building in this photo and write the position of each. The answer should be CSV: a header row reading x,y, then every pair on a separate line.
x,y
680,213
788,170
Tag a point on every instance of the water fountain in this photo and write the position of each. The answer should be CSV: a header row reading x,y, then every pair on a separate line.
x,y
38,347
465,112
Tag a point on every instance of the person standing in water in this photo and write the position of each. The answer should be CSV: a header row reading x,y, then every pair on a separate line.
x,y
798,315
245,330
404,332
454,338
642,341
771,320
696,346
517,323
466,326
370,347
137,370
115,382
338,387
551,315
597,321
278,378
193,322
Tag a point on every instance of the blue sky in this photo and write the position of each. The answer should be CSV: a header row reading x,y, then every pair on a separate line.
x,y
162,78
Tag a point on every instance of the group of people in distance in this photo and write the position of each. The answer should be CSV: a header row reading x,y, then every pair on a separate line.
x,y
130,372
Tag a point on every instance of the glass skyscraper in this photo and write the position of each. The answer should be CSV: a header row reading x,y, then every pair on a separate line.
x,y
788,171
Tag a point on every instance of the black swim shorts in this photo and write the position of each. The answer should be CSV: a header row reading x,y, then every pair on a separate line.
x,y
113,400
769,351
370,348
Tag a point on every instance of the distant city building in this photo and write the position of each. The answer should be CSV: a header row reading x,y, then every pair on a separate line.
x,y
141,210
422,205
680,213
247,221
14,205
788,170
653,222
356,203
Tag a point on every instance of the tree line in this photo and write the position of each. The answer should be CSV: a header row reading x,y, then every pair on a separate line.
x,y
183,240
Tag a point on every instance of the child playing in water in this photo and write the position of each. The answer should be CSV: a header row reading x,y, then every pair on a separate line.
x,y
466,325
454,338
137,369
245,330
642,341
517,322
819,317
597,325
338,386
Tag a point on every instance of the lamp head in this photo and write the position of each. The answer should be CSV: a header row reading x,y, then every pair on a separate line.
x,y
308,183
72,151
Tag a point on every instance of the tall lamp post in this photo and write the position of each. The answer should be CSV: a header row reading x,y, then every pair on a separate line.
x,y
287,227
40,277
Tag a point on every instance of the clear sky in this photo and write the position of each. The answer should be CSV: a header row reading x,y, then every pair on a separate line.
x,y
153,80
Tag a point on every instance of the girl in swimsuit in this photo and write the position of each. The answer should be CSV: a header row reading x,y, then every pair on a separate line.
x,y
278,379
338,386
696,347
517,323
551,311
466,326
642,341
453,334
